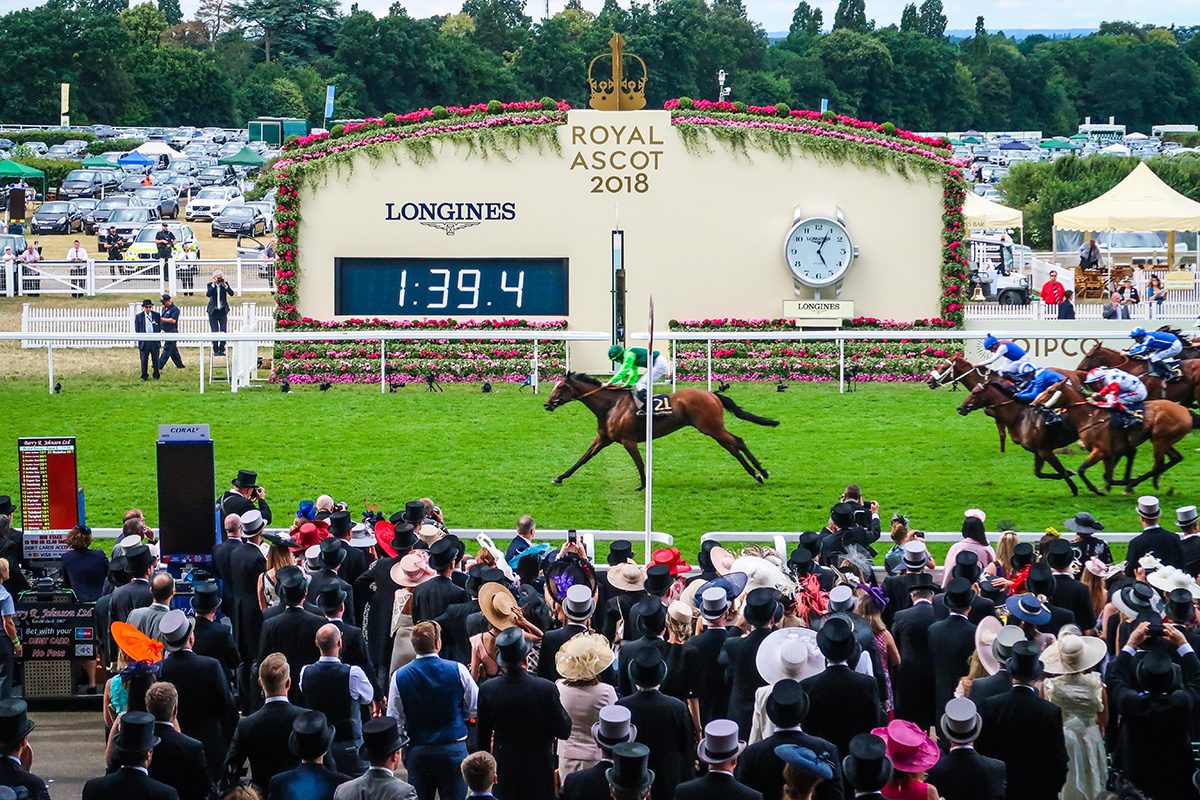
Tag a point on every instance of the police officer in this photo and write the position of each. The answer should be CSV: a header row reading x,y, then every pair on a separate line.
x,y
114,244
169,319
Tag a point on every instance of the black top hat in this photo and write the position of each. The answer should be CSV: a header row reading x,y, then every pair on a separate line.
x,y
441,554
491,575
404,538
1025,663
966,565
246,479
6,505
1084,523
414,512
340,523
1022,555
136,733
332,552
843,514
381,737
1059,554
460,549
1040,579
619,552
867,767
647,668
311,735
205,597
921,580
119,566
1156,674
629,771
959,594
511,647
651,614
809,539
658,579
760,605
836,640
787,705
330,598
15,725
139,559
1180,609
292,585
801,560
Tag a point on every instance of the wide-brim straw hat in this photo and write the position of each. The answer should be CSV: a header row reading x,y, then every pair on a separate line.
x,y
985,634
628,577
583,657
498,605
722,560
1168,578
1072,654
761,574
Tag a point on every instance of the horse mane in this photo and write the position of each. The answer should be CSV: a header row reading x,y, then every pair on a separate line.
x,y
1005,388
582,378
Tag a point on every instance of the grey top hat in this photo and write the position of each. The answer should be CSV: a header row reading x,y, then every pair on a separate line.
x,y
714,603
720,742
1186,515
961,722
614,727
252,522
841,598
915,554
578,603
175,627
1147,507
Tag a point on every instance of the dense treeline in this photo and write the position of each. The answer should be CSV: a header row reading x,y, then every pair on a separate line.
x,y
146,65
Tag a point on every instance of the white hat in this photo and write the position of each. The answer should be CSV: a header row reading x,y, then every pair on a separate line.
x,y
1168,578
1147,507
761,573
720,742
1072,654
252,522
1186,515
129,541
841,598
789,653
976,514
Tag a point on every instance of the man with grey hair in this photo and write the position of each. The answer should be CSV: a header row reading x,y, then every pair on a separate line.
x,y
147,618
526,528
338,691
323,506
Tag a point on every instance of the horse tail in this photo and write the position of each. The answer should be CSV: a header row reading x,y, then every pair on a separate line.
x,y
741,413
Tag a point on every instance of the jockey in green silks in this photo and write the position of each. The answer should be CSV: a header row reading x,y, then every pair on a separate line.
x,y
631,360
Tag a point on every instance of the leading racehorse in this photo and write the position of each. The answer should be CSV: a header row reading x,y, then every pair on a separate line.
x,y
617,420
1186,390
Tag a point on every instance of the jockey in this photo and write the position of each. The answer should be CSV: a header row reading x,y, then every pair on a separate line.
x,y
1156,347
1007,359
1042,380
1122,393
631,360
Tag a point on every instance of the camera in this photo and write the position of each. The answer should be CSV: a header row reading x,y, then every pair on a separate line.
x,y
572,537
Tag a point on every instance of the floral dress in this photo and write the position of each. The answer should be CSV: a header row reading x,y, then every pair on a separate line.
x,y
1081,699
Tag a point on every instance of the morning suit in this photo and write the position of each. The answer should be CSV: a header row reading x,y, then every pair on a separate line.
x,y
206,707
842,704
262,738
434,596
665,726
376,784
762,770
125,783
981,609
708,675
963,774
306,782
218,312
456,640
741,675
1074,597
715,786
353,566
1021,728
179,763
14,775
324,578
587,784
914,682
135,594
292,632
1162,544
989,686
215,640
148,351
147,618
519,721
951,641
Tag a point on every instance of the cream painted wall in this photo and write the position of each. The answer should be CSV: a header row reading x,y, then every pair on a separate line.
x,y
706,238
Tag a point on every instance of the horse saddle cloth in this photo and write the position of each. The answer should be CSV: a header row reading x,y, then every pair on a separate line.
x,y
1173,370
661,405
1128,418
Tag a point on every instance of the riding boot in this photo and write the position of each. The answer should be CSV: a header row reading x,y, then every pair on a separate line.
x,y
639,397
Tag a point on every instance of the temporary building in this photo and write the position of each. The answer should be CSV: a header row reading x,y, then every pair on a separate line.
x,y
1116,149
983,213
153,149
1014,145
98,161
243,158
135,159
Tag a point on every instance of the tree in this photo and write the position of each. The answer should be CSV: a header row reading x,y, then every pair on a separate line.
x,y
1120,27
806,21
932,19
171,10
299,28
189,35
851,15
909,21
860,67
216,16
143,23
500,25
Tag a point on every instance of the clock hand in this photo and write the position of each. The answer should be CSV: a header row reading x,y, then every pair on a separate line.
x,y
821,256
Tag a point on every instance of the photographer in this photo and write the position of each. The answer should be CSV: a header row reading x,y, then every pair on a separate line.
x,y
246,495
218,308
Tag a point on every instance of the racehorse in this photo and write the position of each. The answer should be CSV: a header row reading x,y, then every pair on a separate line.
x,y
617,421
1028,428
1164,424
1186,390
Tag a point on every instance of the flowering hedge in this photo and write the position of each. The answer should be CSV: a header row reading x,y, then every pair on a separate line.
x,y
887,360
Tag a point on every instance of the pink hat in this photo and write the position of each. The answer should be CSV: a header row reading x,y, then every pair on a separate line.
x,y
909,749
412,570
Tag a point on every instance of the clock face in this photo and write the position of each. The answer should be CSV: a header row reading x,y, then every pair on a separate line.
x,y
818,251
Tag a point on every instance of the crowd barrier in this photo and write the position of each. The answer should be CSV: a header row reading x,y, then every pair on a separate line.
x,y
81,321
137,276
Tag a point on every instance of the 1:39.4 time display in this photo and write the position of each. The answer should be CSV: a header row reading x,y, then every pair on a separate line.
x,y
466,285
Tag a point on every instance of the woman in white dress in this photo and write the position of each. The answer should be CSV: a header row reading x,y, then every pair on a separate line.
x,y
786,653
1075,688
407,573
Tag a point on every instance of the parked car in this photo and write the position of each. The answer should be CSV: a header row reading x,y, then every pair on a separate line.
x,y
217,176
268,211
81,183
14,240
164,198
104,131
239,220
7,144
59,216
130,183
143,247
85,206
128,221
251,249
183,183
209,202
97,218
41,148
76,146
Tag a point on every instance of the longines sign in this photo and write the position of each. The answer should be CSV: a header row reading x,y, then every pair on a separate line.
x,y
450,217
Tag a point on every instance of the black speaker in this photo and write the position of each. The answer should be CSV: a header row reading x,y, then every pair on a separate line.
x,y
186,502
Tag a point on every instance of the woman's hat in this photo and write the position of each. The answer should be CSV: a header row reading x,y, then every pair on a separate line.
x,y
485,542
511,647
629,771
1137,599
867,767
732,583
680,613
431,534
311,735
1083,522
1072,654
672,558
1097,567
136,732
381,737
583,657
720,742
1027,608
1025,663
961,722
908,748
136,645
628,577
282,542
1180,606
498,604
805,760
985,635
361,536
614,727
763,574
1167,579
15,724
722,560
789,653
307,535
411,571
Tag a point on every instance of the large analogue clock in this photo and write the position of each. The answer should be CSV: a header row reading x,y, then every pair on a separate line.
x,y
818,251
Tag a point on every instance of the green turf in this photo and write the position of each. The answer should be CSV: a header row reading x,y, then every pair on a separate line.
x,y
487,459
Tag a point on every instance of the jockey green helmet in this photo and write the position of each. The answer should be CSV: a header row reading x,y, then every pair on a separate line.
x,y
616,353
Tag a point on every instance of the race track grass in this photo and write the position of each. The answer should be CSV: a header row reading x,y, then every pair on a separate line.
x,y
487,459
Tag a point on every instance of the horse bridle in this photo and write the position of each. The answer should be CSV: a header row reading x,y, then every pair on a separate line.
x,y
940,377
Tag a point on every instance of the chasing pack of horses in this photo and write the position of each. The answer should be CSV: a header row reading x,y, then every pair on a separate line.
x,y
1062,415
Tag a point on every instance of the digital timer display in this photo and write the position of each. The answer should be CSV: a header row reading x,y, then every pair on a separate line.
x,y
450,287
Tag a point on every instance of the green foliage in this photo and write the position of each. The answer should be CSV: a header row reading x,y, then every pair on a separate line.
x,y
851,15
439,112
389,119
49,137
494,107
548,103
111,145
143,24
336,131
686,102
55,168
889,129
910,21
171,10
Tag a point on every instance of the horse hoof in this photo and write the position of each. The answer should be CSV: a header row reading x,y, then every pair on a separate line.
x,y
556,481
765,474
758,478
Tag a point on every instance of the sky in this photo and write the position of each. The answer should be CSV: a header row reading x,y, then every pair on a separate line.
x,y
776,15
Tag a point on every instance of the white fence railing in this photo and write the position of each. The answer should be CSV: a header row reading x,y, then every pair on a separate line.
x,y
138,276
1037,310
81,321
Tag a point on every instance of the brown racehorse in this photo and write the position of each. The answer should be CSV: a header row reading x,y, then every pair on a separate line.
x,y
1164,425
1028,428
1185,391
617,421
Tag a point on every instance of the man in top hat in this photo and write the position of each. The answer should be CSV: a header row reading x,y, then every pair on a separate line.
x,y
995,661
456,638
762,770
1188,520
719,749
213,639
842,703
577,607
332,603
952,641
896,587
382,743
913,682
844,532
612,729
178,759
962,773
17,760
1068,592
354,563
842,601
866,766
520,719
338,691
1153,540
309,741
1022,729
659,581
434,596
136,593
1040,582
803,563
652,621
378,584
966,565
292,632
149,321
134,745
629,777
708,674
663,724
244,495
331,557
738,655
118,576
206,706
146,618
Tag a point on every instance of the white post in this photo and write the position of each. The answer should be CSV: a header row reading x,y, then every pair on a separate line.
x,y
91,278
650,437
841,366
383,366
535,366
169,267
239,276
708,343
674,372
9,274
50,366
566,356
203,347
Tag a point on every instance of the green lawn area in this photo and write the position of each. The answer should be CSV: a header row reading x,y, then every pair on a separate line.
x,y
487,459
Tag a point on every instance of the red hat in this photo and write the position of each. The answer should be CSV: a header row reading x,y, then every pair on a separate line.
x,y
670,557
385,532
309,534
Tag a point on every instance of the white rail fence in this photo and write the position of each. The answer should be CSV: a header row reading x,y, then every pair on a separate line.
x,y
1169,311
139,276
82,321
